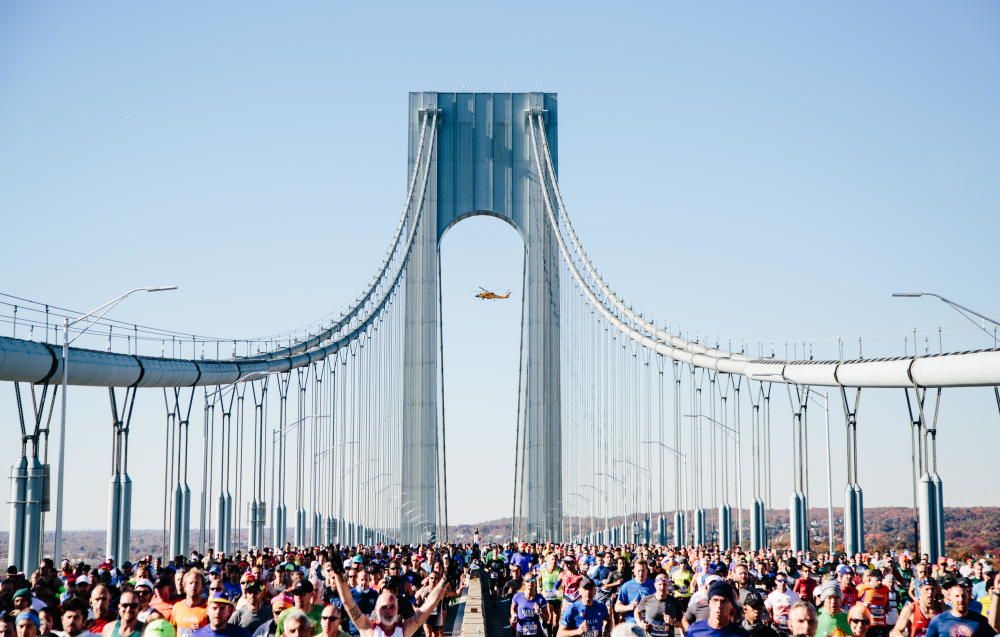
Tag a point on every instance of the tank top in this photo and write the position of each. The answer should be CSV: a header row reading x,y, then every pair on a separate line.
x,y
396,632
877,600
547,583
116,633
918,621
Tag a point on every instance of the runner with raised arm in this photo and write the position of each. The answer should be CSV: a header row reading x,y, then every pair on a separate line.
x,y
385,620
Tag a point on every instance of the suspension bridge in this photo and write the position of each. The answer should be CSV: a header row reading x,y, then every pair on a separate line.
x,y
338,431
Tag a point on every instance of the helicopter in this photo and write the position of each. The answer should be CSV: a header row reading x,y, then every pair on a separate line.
x,y
486,295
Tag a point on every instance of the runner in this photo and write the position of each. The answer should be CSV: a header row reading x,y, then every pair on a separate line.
x,y
127,624
100,609
659,613
438,614
754,618
73,617
779,602
916,616
802,619
385,620
548,584
219,611
832,619
958,621
805,584
529,610
190,614
331,620
874,595
860,620
251,611
719,623
633,590
585,617
569,580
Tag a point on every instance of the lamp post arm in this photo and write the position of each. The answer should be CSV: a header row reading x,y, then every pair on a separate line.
x,y
107,307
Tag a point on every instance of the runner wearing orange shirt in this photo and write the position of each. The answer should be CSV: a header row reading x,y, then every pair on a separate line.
x,y
190,614
874,595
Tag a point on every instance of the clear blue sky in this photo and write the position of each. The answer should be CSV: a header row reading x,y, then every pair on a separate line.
x,y
759,171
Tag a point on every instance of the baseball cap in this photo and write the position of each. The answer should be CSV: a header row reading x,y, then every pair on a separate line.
x,y
303,587
844,568
218,597
214,570
586,582
143,582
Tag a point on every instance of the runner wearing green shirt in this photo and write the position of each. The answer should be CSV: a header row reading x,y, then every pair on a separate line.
x,y
831,616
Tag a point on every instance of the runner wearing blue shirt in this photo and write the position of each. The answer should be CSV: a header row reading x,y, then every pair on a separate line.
x,y
959,621
585,617
634,590
522,560
721,603
528,609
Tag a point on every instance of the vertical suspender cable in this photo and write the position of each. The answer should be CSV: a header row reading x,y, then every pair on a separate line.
x,y
444,445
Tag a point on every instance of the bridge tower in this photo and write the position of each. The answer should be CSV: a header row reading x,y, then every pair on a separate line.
x,y
482,165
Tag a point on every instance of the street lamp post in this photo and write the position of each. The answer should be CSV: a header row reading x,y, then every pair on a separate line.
x,y
829,473
680,509
605,507
646,518
931,525
624,516
725,511
99,311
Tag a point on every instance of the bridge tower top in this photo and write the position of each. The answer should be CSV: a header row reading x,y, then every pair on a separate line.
x,y
484,164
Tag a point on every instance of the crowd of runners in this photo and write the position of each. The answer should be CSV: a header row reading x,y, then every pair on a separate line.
x,y
543,590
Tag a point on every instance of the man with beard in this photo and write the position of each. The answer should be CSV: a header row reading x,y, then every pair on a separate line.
x,y
252,612
658,613
385,620
74,617
958,621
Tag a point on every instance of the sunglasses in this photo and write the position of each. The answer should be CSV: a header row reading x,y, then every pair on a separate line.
x,y
329,617
863,622
128,605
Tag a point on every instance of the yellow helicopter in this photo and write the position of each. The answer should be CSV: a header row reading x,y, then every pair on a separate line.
x,y
486,295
